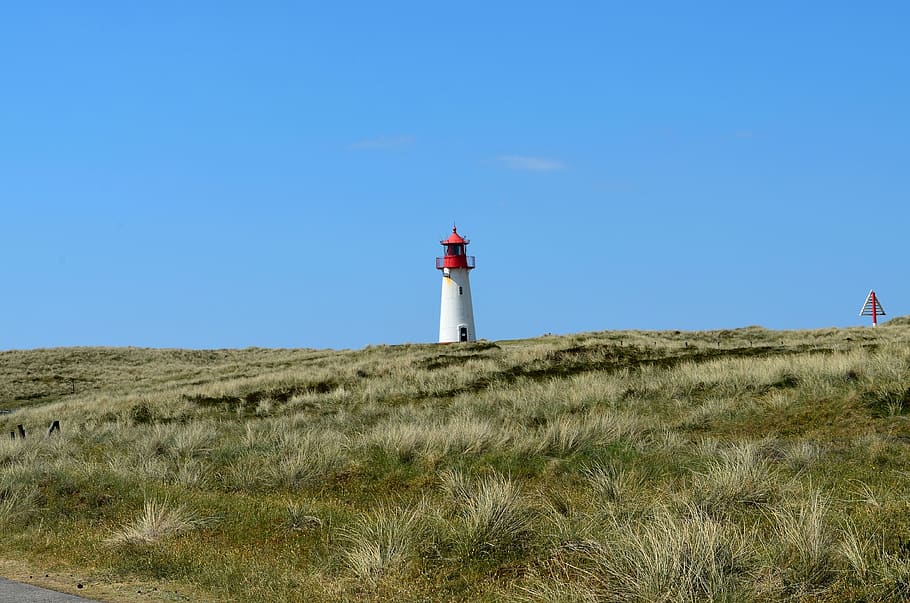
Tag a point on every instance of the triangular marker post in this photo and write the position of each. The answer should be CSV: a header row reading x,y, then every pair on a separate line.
x,y
872,307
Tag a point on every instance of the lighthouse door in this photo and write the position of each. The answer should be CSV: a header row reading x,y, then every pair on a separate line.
x,y
462,333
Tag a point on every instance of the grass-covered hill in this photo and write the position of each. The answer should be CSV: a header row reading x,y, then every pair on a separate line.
x,y
744,465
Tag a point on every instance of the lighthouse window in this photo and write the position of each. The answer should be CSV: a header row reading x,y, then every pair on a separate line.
x,y
460,291
454,249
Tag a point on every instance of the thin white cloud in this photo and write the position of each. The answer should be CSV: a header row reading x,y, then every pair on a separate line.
x,y
382,143
531,164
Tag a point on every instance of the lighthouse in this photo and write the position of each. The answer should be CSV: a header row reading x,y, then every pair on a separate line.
x,y
456,313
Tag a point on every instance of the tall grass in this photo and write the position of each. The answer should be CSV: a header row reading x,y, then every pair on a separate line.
x,y
674,555
807,544
383,541
613,483
16,499
740,477
490,516
736,465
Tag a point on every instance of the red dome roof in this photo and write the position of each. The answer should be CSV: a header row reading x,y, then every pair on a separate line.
x,y
455,238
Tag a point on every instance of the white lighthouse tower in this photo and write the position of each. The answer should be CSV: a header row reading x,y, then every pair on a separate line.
x,y
456,313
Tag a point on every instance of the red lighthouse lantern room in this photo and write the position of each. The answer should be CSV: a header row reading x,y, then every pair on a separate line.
x,y
454,254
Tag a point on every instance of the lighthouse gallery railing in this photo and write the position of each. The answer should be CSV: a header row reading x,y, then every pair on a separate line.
x,y
441,262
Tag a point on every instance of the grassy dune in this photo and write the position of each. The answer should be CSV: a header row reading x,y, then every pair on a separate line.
x,y
744,465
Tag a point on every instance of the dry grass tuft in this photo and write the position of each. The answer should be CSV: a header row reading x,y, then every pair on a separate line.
x,y
381,543
806,547
490,515
614,484
158,519
667,556
740,477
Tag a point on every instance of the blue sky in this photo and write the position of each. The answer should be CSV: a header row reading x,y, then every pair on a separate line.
x,y
279,174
